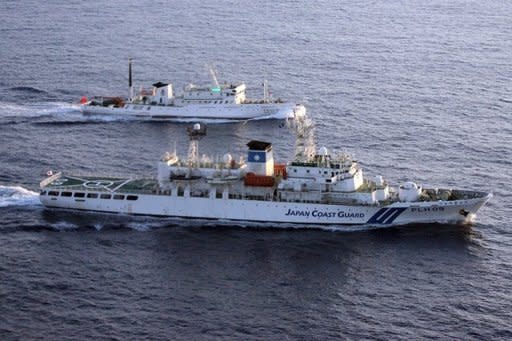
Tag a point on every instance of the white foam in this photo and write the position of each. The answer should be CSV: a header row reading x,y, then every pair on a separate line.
x,y
61,111
64,226
141,227
38,109
98,226
17,196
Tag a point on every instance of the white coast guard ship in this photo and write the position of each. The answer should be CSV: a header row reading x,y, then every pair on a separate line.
x,y
216,102
319,189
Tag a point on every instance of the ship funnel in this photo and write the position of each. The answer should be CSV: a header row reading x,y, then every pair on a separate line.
x,y
260,159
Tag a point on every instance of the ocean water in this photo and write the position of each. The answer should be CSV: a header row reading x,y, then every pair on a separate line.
x,y
415,90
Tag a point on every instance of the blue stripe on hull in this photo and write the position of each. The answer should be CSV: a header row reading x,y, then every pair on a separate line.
x,y
386,215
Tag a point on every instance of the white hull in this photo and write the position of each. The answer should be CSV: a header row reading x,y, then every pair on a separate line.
x,y
400,213
201,111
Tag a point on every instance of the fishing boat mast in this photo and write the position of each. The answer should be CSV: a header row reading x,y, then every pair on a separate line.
x,y
130,83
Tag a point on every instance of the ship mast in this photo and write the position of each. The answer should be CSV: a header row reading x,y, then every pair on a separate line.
x,y
130,83
305,138
195,133
214,76
266,96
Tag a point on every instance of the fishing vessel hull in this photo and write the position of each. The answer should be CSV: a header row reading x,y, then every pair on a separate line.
x,y
201,112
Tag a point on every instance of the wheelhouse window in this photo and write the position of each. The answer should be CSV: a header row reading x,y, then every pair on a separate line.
x,y
66,194
92,195
79,195
118,197
132,197
105,196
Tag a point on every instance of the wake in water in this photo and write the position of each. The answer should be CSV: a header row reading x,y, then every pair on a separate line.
x,y
28,90
37,109
17,196
51,113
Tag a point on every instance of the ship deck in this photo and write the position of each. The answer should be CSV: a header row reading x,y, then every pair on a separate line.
x,y
68,183
103,184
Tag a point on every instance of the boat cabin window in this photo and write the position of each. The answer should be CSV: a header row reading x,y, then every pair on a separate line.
x,y
79,194
132,197
42,193
105,196
53,193
66,194
118,197
92,195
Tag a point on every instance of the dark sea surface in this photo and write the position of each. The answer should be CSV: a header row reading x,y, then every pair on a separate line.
x,y
417,90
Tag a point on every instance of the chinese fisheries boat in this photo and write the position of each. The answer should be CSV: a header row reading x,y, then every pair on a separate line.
x,y
222,102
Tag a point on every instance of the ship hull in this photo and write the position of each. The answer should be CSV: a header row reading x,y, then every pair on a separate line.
x,y
400,213
201,112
